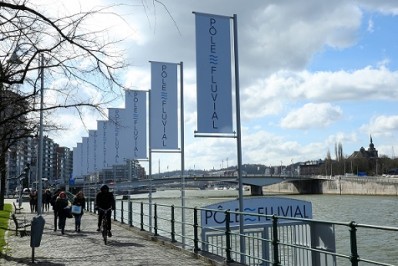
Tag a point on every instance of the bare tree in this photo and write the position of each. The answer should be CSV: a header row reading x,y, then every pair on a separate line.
x,y
77,58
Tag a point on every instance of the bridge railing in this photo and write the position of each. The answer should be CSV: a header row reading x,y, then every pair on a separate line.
x,y
285,241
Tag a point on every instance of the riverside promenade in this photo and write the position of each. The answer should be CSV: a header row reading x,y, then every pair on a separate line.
x,y
127,246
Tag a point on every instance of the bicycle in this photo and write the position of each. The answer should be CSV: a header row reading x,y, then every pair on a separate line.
x,y
104,224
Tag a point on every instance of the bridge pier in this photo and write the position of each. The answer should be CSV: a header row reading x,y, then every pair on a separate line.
x,y
256,190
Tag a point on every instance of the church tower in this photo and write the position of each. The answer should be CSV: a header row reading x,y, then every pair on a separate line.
x,y
372,152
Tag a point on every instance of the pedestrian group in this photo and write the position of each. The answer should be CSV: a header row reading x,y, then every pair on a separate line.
x,y
63,208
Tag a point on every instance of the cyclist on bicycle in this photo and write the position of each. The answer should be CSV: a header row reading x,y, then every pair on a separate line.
x,y
103,201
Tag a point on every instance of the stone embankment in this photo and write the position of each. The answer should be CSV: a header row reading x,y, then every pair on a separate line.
x,y
339,185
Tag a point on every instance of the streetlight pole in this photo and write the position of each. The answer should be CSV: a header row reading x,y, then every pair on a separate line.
x,y
292,168
41,141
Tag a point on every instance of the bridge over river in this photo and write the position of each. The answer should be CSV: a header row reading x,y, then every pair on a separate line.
x,y
256,182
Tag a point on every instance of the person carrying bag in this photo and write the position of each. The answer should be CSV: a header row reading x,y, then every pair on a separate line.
x,y
78,204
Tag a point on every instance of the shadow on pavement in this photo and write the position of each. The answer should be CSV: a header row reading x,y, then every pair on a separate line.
x,y
28,261
123,244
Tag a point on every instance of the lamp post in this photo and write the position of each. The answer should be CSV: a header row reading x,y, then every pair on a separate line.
x,y
41,150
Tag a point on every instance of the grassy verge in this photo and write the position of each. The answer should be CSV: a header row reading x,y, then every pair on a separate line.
x,y
4,222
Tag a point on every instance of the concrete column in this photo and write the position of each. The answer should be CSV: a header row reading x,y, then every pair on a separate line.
x,y
256,190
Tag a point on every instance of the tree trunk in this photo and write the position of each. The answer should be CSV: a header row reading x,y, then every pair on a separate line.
x,y
3,177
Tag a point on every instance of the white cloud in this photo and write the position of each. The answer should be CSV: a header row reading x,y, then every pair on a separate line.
x,y
271,95
370,25
312,116
382,125
270,149
285,35
386,7
367,83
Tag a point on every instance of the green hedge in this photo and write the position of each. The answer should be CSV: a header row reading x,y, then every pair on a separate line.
x,y
4,222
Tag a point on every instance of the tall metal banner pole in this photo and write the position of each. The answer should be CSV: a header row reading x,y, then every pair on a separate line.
x,y
150,166
182,155
239,141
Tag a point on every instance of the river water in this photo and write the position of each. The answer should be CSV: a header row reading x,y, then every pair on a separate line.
x,y
377,245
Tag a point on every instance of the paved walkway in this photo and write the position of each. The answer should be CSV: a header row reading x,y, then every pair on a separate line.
x,y
126,247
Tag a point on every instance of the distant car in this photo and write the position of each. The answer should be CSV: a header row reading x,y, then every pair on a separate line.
x,y
27,190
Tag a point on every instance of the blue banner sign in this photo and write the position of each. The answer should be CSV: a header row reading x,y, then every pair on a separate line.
x,y
214,215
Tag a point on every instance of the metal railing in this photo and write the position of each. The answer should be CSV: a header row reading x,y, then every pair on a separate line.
x,y
285,241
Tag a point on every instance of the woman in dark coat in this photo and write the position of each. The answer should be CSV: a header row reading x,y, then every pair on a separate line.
x,y
46,200
33,201
60,204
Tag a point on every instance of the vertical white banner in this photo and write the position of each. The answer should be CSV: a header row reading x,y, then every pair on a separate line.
x,y
111,141
213,69
139,118
92,151
81,162
77,161
132,130
85,155
163,105
100,146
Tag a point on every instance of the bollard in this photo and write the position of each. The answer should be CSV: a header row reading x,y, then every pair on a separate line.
x,y
36,232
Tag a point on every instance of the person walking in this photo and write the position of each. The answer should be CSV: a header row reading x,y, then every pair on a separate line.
x,y
46,200
60,204
33,200
80,201
52,202
103,201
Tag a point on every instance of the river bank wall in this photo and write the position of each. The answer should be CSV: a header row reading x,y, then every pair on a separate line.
x,y
338,186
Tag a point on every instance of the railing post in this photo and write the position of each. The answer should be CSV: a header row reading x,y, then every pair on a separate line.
x,y
155,217
228,236
173,231
353,240
275,241
122,212
142,216
130,212
195,230
114,214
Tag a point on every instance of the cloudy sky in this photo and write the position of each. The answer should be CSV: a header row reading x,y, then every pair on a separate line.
x,y
312,74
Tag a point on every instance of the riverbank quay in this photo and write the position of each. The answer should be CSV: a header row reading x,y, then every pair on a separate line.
x,y
338,185
127,246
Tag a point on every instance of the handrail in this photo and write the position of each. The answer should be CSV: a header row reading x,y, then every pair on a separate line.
x,y
168,225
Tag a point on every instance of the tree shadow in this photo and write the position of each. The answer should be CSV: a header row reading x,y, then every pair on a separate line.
x,y
28,261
